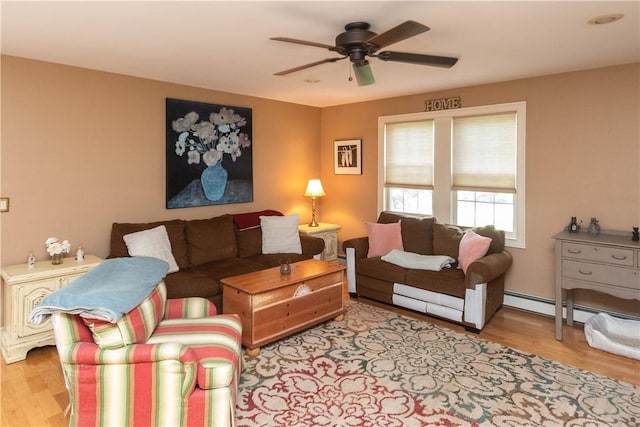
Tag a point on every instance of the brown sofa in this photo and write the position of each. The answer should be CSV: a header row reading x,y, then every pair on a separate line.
x,y
208,250
470,299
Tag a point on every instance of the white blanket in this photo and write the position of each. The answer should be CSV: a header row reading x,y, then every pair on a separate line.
x,y
417,261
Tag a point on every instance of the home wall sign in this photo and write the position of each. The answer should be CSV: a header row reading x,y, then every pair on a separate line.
x,y
442,104
208,154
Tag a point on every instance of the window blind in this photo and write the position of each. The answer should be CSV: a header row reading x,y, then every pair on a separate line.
x,y
484,153
409,154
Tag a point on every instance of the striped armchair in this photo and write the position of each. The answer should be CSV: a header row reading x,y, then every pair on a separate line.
x,y
165,363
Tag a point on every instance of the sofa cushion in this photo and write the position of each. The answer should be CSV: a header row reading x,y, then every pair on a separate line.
x,y
449,281
152,243
211,239
446,240
175,231
417,231
472,247
190,283
383,238
133,327
375,267
249,242
280,234
227,267
497,238
417,235
389,217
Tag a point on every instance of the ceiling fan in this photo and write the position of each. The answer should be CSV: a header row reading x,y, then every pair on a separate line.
x,y
357,43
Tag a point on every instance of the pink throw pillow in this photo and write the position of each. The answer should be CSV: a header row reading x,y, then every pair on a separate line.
x,y
472,247
383,238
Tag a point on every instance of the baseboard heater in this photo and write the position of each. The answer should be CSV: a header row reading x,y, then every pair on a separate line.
x,y
547,307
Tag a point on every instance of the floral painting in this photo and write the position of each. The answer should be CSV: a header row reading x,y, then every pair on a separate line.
x,y
208,153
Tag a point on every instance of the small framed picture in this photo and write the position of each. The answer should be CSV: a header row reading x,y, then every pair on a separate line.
x,y
347,157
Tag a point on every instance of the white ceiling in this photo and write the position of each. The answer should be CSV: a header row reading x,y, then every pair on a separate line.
x,y
224,45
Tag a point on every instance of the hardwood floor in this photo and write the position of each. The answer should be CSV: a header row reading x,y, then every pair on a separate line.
x,y
33,393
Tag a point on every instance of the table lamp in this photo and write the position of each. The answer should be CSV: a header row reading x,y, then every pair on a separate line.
x,y
314,190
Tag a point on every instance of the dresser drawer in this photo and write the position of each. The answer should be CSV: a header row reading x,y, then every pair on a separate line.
x,y
623,277
297,289
296,313
610,255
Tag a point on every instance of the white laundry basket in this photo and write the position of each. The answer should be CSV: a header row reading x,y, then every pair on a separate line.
x,y
618,336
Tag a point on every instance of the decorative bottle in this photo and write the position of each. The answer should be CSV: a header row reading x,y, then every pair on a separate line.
x,y
80,254
31,261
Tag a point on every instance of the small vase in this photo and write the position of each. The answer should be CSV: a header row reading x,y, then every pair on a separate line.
x,y
214,181
285,267
56,259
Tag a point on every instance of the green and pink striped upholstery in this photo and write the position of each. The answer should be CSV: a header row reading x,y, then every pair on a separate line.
x,y
135,327
185,374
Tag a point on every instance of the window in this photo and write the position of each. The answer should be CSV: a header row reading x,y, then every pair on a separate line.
x,y
465,166
408,178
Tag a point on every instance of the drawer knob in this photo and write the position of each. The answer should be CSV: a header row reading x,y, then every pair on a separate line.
x,y
586,273
619,257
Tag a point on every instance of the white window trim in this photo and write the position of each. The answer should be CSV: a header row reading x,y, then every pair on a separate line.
x,y
442,194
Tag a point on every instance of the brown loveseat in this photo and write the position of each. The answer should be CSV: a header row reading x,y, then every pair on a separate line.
x,y
470,299
208,250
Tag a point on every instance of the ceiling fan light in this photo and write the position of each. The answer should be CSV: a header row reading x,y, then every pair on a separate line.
x,y
364,75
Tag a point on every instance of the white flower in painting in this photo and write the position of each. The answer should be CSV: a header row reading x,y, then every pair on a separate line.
x,y
184,124
211,157
193,156
210,139
181,143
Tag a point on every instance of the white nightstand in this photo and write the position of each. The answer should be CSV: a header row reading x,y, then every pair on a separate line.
x,y
328,233
22,290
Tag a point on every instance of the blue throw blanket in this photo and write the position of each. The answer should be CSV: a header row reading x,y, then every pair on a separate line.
x,y
106,292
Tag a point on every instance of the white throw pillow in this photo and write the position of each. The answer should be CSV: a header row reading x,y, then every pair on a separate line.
x,y
280,234
152,243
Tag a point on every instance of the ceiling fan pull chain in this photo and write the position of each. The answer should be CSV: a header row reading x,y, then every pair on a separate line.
x,y
349,67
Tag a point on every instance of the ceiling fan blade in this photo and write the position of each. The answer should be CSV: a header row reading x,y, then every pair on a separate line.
x,y
417,58
401,32
364,75
302,67
304,42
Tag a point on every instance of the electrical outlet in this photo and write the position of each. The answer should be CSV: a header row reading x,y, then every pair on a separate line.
x,y
4,204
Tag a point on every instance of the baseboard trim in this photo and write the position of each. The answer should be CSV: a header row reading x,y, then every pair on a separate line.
x,y
547,307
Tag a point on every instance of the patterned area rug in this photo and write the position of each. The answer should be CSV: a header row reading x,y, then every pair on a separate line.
x,y
377,368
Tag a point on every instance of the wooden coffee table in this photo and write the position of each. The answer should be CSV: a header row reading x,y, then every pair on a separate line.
x,y
273,306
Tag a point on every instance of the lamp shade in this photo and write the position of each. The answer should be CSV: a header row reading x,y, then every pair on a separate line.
x,y
314,189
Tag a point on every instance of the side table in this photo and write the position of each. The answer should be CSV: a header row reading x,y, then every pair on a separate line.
x,y
608,262
328,233
22,290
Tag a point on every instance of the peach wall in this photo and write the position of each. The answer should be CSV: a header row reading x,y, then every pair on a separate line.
x,y
582,157
82,149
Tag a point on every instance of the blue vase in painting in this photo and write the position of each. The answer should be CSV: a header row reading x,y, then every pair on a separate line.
x,y
214,181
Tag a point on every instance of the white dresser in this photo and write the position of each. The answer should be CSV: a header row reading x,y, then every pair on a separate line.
x,y
22,290
608,262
